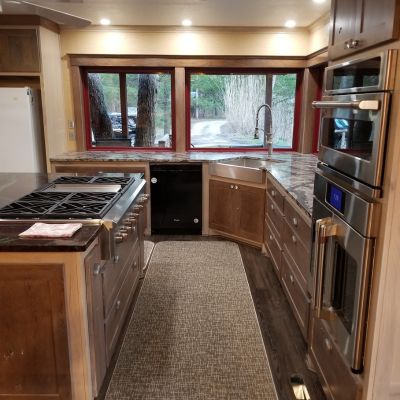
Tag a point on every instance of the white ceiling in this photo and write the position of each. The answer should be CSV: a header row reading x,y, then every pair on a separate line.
x,y
232,13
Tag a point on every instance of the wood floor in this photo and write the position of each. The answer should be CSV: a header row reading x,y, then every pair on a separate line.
x,y
283,340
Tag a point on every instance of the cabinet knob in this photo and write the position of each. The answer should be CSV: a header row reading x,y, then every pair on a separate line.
x,y
231,186
272,207
295,222
354,43
96,269
291,279
294,240
328,344
273,193
271,237
236,187
118,238
118,304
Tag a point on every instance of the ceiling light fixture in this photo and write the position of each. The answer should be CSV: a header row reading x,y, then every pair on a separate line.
x,y
290,23
186,22
319,1
105,21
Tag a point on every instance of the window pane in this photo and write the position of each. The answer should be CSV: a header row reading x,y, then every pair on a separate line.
x,y
105,109
149,109
142,120
224,107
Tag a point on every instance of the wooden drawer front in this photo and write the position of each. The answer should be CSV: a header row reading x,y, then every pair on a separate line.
x,y
115,319
275,194
337,378
298,224
298,300
114,272
273,247
275,215
299,254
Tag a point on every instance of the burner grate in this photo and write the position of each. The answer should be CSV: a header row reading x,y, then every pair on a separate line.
x,y
73,179
118,180
26,209
93,197
43,196
78,209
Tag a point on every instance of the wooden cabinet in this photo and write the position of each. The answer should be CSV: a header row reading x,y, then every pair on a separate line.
x,y
19,50
359,24
237,209
288,243
34,360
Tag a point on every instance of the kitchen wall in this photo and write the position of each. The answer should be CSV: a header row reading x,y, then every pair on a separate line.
x,y
178,41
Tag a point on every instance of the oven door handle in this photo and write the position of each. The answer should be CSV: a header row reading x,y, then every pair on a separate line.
x,y
373,105
324,228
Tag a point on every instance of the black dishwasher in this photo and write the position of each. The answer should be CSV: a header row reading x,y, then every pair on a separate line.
x,y
176,198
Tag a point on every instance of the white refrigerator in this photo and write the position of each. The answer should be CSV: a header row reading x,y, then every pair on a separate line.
x,y
21,131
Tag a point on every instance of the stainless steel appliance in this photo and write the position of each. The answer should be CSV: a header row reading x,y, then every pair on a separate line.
x,y
355,106
113,201
345,233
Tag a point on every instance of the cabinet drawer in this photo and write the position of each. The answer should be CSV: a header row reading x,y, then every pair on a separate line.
x,y
116,317
275,215
298,300
275,194
298,224
300,255
337,378
272,245
114,272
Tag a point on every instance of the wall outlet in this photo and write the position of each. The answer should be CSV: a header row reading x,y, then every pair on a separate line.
x,y
71,136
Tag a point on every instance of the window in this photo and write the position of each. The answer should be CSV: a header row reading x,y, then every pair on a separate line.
x,y
223,107
129,109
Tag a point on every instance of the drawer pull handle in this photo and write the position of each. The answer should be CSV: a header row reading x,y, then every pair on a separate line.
x,y
134,265
294,240
271,237
291,278
272,207
115,259
273,193
328,344
295,222
96,269
118,305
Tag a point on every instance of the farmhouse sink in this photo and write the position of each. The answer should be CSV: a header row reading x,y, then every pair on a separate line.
x,y
244,169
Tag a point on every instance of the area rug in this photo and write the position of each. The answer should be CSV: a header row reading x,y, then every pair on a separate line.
x,y
194,332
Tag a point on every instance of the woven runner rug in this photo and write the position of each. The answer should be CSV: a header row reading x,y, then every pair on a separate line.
x,y
194,332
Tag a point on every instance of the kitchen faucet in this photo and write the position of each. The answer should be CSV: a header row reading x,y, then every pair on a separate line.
x,y
268,133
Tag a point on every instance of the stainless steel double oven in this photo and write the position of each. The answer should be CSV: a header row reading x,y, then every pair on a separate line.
x,y
348,183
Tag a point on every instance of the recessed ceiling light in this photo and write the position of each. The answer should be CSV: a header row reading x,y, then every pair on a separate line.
x,y
186,22
290,23
319,1
105,21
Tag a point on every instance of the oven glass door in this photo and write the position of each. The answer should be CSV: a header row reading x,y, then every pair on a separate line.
x,y
352,138
343,288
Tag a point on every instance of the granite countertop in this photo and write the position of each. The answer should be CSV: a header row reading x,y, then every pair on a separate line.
x,y
295,172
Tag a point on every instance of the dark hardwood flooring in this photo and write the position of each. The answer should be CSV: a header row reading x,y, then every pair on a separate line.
x,y
284,343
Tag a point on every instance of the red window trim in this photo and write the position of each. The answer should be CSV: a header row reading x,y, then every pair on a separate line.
x,y
88,141
225,71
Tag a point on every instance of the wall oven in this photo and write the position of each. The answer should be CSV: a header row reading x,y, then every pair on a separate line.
x,y
345,233
354,120
355,106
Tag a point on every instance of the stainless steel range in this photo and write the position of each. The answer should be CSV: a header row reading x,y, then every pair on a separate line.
x,y
113,201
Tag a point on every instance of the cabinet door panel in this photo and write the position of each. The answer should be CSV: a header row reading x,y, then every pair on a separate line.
x,y
344,21
221,206
249,215
34,360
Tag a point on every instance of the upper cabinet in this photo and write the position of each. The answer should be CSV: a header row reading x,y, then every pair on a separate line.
x,y
359,24
19,50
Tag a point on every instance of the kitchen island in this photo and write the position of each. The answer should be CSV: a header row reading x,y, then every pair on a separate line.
x,y
63,302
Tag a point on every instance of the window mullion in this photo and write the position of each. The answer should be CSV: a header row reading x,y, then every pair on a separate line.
x,y
124,106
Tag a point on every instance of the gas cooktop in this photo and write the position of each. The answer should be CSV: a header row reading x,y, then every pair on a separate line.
x,y
75,200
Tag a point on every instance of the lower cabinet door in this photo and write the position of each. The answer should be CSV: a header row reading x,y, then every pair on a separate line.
x,y
221,206
338,381
34,362
274,250
298,300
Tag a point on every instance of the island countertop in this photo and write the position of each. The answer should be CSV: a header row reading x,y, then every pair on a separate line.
x,y
295,172
16,185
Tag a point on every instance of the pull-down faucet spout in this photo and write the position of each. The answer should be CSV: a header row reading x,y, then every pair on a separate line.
x,y
268,132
